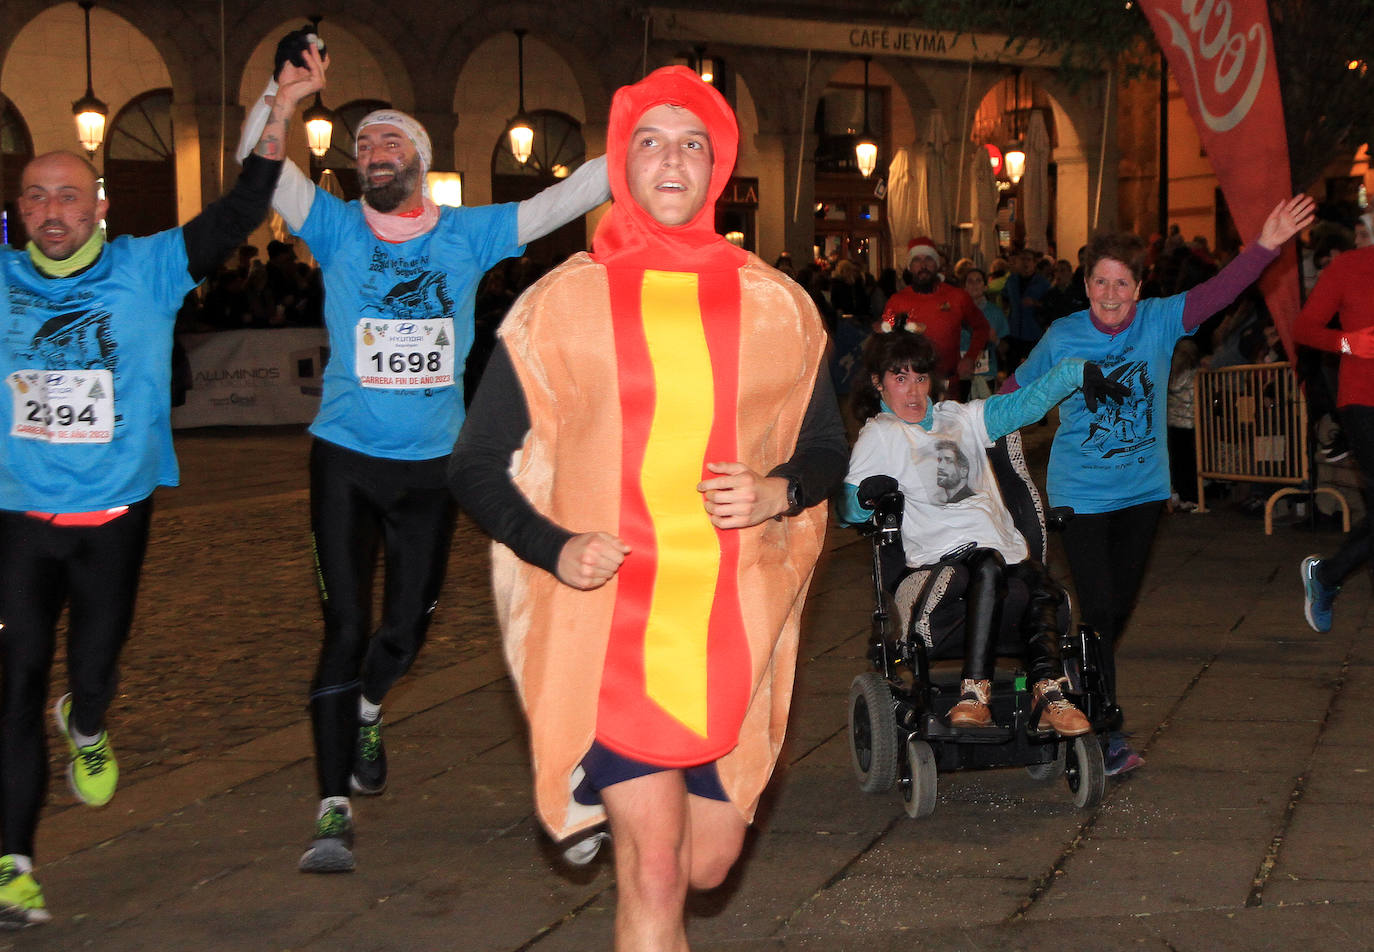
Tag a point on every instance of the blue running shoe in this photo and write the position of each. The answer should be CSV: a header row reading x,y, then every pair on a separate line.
x,y
1120,758
1317,598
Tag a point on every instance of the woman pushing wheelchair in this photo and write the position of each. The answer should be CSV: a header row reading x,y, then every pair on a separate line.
x,y
957,531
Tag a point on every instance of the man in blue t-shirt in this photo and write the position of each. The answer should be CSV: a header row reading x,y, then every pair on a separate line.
x,y
400,278
86,357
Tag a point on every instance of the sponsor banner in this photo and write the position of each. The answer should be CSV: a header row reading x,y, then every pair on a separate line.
x,y
253,378
1222,55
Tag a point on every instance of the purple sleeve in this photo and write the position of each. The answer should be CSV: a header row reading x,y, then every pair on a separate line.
x,y
1225,286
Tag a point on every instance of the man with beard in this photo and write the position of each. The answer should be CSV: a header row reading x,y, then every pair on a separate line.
x,y
938,310
951,471
400,278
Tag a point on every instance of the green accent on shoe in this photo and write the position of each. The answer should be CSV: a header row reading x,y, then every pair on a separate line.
x,y
93,773
21,898
369,760
332,849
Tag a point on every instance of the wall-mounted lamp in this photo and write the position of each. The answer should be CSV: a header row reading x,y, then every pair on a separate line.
x,y
90,112
521,134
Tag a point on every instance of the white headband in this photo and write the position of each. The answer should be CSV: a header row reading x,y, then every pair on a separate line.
x,y
412,129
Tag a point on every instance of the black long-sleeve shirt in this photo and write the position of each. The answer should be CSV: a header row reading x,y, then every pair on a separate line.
x,y
227,222
496,424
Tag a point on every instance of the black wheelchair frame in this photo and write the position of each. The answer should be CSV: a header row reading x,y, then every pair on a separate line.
x,y
898,732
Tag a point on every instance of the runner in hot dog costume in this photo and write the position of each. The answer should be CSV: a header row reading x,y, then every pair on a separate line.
x,y
652,588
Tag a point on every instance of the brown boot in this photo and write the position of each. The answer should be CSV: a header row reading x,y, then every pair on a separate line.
x,y
972,709
1065,719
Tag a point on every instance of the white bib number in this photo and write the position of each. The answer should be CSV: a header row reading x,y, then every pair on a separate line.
x,y
63,406
405,355
982,366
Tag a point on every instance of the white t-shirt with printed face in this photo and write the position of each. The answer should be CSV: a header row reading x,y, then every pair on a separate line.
x,y
951,493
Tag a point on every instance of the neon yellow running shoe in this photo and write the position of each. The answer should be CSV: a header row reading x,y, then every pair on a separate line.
x,y
93,773
21,898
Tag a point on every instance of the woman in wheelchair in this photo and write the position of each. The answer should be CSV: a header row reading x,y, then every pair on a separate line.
x,y
960,539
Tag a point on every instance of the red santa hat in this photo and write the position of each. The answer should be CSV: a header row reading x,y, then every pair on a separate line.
x,y
922,246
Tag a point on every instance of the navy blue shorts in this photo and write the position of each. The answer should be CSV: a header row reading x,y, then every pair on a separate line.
x,y
604,768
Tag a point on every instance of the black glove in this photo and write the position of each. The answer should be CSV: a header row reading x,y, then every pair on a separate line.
x,y
1097,387
292,49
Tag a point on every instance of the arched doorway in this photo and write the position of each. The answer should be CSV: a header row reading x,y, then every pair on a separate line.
x,y
851,220
16,149
140,166
558,152
1003,120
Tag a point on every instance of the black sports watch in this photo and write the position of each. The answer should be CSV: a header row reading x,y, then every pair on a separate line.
x,y
794,501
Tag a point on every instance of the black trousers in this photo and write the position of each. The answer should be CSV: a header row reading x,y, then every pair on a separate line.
x,y
1108,552
358,503
1358,424
95,571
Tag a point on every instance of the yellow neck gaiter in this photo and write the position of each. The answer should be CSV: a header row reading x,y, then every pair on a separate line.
x,y
82,259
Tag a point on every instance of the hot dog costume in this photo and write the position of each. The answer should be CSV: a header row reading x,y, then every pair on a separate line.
x,y
662,350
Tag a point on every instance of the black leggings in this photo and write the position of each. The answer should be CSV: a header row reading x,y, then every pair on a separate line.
x,y
357,501
95,570
1358,424
989,605
1107,554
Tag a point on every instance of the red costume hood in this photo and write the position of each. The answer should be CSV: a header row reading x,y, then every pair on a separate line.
x,y
630,236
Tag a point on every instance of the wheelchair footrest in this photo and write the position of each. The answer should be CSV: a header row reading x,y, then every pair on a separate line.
x,y
934,729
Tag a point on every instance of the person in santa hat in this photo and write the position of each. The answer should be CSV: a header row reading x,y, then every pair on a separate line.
x,y
938,310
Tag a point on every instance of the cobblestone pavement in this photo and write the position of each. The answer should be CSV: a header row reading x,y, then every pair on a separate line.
x,y
1248,828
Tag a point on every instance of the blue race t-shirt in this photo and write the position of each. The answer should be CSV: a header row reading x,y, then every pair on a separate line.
x,y
86,363
399,318
1116,457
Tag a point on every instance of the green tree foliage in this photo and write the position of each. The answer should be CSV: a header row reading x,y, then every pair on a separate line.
x,y
1328,106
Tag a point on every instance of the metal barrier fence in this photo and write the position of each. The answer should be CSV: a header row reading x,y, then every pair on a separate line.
x,y
1251,426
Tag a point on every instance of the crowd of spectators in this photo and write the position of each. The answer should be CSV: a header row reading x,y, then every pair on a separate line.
x,y
248,293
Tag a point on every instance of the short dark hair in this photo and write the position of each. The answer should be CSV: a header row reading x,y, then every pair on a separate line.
x,y
1121,246
892,352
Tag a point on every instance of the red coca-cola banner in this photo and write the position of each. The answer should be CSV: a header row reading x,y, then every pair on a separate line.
x,y
1222,55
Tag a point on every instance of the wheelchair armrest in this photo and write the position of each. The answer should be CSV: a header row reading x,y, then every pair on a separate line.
x,y
874,488
1059,517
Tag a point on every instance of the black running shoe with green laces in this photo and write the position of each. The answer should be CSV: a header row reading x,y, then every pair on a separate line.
x,y
369,760
21,898
331,851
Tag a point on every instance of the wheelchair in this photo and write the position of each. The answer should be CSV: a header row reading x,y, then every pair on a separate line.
x,y
899,735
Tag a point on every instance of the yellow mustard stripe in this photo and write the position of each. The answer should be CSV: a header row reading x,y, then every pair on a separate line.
x,y
688,554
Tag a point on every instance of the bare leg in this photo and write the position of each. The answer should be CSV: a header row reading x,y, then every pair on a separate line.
x,y
665,841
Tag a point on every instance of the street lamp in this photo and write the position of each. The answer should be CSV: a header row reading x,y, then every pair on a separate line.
x,y
866,149
319,120
521,135
90,112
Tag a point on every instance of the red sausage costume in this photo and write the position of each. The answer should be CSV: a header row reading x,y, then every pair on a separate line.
x,y
664,349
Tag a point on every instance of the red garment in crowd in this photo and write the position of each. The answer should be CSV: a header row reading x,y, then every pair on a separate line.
x,y
1346,288
940,315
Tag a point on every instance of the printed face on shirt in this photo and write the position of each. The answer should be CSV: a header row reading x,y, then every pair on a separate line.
x,y
388,168
59,204
668,164
951,470
905,392
1112,292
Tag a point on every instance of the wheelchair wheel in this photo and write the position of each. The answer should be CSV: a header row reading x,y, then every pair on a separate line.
x,y
873,733
1044,773
919,780
1086,771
